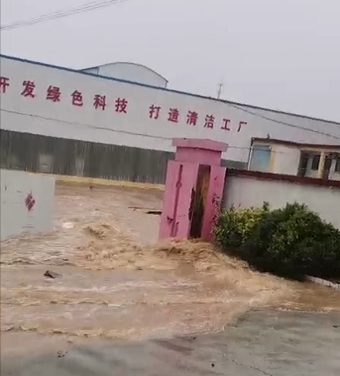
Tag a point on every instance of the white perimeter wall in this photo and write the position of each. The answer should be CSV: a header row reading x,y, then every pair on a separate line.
x,y
62,119
15,216
248,191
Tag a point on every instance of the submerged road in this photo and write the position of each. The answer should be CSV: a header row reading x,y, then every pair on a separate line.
x,y
123,305
272,343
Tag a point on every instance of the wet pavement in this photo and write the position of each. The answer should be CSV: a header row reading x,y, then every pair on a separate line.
x,y
116,283
261,343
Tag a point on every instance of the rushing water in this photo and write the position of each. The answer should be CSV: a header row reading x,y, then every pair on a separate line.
x,y
116,282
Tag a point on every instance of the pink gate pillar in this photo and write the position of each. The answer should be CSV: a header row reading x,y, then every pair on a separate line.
x,y
193,189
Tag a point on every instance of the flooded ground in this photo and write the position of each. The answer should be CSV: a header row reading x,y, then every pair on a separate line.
x,y
265,342
117,283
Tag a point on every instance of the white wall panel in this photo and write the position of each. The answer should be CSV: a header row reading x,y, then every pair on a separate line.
x,y
16,215
248,191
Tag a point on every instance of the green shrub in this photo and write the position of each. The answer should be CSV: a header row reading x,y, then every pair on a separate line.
x,y
292,241
235,225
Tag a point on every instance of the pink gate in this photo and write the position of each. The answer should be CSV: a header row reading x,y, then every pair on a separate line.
x,y
194,190
176,216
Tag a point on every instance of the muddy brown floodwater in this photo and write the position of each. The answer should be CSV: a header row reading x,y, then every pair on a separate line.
x,y
117,282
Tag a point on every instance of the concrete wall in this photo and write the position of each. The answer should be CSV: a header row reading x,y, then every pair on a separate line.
x,y
230,123
249,191
21,213
130,72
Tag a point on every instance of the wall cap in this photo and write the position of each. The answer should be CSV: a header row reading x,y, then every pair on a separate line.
x,y
195,143
286,178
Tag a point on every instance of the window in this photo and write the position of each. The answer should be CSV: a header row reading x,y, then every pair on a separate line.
x,y
303,163
260,158
337,164
315,162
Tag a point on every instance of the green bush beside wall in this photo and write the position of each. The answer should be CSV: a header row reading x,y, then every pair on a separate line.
x,y
292,241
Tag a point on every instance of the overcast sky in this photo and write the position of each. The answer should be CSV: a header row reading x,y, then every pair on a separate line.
x,y
281,54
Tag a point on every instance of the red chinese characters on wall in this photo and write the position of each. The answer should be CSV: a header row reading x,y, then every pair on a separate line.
x,y
209,121
173,115
99,101
4,84
120,105
226,124
28,90
77,98
192,117
154,112
240,125
53,93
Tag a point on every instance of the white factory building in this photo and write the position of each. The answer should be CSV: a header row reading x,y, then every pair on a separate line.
x,y
117,121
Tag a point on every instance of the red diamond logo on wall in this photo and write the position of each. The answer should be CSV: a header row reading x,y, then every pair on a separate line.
x,y
29,202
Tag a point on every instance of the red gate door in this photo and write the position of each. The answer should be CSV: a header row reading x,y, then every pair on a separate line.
x,y
178,198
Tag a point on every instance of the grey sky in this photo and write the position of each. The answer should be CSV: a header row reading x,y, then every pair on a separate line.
x,y
281,54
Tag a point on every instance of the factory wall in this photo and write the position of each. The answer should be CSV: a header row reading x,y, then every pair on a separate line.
x,y
85,109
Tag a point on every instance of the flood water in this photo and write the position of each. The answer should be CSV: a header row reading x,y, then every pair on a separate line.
x,y
117,282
